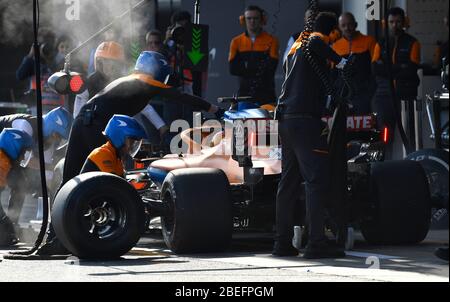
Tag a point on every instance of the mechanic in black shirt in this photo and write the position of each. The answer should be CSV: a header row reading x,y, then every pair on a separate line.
x,y
304,142
125,96
405,59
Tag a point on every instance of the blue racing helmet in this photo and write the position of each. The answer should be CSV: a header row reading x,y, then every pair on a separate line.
x,y
154,64
59,121
14,141
121,127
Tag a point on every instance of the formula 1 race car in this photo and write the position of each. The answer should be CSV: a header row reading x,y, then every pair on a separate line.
x,y
227,182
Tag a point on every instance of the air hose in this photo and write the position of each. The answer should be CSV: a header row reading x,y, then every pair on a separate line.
x,y
40,238
337,138
319,69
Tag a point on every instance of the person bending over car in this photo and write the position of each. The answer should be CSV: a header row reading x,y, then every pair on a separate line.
x,y
15,152
109,62
124,135
56,128
127,96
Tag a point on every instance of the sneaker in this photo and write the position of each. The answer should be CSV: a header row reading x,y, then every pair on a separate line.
x,y
52,247
284,250
442,253
7,234
323,249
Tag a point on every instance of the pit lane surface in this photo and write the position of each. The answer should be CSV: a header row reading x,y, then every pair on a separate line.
x,y
248,260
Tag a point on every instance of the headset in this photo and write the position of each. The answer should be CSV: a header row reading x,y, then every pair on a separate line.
x,y
264,17
406,22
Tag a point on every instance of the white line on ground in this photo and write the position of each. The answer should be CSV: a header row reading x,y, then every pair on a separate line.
x,y
367,255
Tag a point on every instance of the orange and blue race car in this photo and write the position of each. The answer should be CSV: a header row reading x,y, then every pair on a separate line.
x,y
225,181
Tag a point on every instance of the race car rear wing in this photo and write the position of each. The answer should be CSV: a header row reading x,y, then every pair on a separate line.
x,y
357,123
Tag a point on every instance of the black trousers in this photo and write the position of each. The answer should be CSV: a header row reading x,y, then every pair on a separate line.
x,y
384,107
21,181
82,141
2,212
304,158
386,117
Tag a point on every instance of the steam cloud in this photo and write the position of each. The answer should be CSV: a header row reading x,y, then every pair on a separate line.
x,y
16,18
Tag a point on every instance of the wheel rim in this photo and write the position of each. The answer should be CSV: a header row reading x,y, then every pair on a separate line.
x,y
104,218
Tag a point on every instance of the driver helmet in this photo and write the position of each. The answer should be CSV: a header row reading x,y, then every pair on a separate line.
x,y
153,64
121,127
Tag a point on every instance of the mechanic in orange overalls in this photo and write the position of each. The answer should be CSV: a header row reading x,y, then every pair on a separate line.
x,y
405,60
361,48
254,57
15,152
124,135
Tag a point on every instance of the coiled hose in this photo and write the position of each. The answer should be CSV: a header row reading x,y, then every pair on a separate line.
x,y
320,69
337,139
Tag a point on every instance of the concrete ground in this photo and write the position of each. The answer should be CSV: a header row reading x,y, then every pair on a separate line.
x,y
248,260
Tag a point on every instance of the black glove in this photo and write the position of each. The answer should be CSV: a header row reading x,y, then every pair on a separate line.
x,y
219,113
349,70
379,69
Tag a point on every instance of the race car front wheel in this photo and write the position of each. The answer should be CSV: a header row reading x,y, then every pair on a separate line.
x,y
98,216
200,218
401,204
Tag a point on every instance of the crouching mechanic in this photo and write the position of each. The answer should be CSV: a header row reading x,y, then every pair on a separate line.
x,y
127,96
56,128
57,125
15,153
124,135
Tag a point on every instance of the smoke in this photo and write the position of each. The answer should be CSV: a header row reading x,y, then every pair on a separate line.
x,y
78,19
15,21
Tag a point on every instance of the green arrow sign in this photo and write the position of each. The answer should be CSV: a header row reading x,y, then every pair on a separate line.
x,y
196,44
195,55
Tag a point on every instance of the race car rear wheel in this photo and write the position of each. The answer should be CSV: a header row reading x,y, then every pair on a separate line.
x,y
200,206
401,204
435,164
98,216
